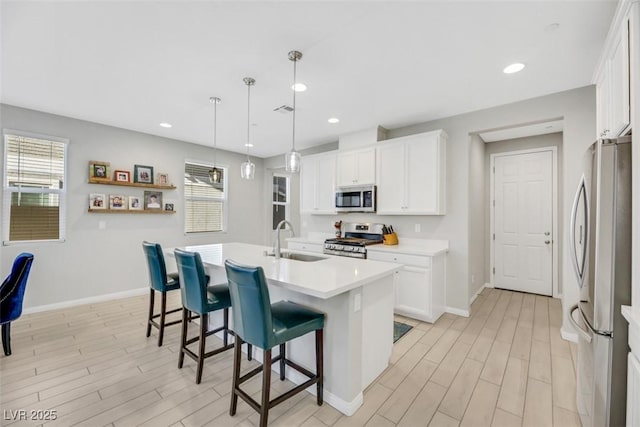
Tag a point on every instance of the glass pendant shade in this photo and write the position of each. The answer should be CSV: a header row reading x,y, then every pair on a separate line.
x,y
248,169
215,175
292,162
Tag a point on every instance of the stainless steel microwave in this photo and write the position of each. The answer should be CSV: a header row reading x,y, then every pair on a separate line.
x,y
356,199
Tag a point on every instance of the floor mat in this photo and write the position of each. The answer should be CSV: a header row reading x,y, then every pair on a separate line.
x,y
399,329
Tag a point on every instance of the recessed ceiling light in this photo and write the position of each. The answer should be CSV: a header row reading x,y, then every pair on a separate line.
x,y
333,120
513,68
299,87
166,125
248,145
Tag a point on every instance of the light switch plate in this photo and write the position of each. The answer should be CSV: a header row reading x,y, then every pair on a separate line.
x,y
417,228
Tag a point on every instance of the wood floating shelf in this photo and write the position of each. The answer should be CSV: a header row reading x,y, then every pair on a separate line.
x,y
131,211
130,184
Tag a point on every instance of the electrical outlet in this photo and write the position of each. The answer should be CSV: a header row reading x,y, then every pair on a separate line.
x,y
473,278
357,303
416,228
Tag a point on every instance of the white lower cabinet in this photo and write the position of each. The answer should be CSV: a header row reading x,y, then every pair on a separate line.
x,y
633,391
309,247
420,288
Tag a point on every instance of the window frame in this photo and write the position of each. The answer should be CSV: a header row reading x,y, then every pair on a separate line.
x,y
287,204
224,199
7,191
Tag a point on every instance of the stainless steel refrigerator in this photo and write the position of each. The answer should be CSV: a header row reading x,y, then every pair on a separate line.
x,y
601,249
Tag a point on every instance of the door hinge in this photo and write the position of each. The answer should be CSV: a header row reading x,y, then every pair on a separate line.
x,y
494,236
494,270
494,169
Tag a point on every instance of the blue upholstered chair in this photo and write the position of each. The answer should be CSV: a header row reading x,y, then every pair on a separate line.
x,y
11,296
159,281
202,299
266,325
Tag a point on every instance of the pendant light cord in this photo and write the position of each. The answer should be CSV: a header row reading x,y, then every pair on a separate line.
x,y
215,127
293,142
248,118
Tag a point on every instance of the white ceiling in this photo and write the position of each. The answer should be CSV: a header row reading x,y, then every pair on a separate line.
x,y
391,63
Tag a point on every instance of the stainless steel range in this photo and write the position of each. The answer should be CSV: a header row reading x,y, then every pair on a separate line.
x,y
356,238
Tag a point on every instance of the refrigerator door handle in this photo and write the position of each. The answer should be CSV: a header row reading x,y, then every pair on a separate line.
x,y
578,265
584,334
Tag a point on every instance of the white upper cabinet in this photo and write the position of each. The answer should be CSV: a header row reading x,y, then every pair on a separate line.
x,y
411,175
613,85
317,184
357,167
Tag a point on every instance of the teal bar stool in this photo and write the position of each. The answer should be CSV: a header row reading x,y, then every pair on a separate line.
x,y
200,298
266,325
159,281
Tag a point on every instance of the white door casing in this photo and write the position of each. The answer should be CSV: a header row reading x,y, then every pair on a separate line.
x,y
523,218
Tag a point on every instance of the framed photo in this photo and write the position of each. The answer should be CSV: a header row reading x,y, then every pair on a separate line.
x,y
97,201
99,169
168,207
143,174
135,203
117,201
153,200
163,179
122,176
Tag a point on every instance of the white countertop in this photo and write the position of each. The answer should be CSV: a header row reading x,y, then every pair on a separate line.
x,y
425,247
322,279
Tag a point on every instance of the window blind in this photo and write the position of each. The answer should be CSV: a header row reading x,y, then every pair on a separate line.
x,y
34,188
204,201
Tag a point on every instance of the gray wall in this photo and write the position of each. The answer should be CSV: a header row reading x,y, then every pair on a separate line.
x,y
540,141
477,215
93,262
577,109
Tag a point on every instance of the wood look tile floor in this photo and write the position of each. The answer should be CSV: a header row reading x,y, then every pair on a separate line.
x,y
506,365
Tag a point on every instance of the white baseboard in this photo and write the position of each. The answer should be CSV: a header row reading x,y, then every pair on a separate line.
x,y
568,335
457,311
89,300
489,285
473,298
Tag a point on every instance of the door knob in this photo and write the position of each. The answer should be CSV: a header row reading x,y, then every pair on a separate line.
x,y
546,242
547,233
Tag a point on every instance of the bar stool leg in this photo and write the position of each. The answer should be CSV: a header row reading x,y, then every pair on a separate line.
x,y
163,315
151,301
283,353
225,332
319,364
249,352
183,340
237,358
266,388
203,337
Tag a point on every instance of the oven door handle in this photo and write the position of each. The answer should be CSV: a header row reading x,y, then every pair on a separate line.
x,y
584,334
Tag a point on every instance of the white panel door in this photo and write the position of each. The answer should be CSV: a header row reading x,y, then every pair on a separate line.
x,y
523,222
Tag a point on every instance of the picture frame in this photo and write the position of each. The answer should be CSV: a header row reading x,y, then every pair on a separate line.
x,y
97,201
163,179
143,174
122,176
99,170
168,207
153,200
136,203
118,202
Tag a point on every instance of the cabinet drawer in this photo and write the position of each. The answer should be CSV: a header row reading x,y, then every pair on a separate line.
x,y
416,260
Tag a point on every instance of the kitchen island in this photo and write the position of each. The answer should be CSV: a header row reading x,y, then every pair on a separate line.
x,y
357,298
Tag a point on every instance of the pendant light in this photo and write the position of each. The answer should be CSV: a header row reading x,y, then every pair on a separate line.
x,y
215,174
248,168
292,158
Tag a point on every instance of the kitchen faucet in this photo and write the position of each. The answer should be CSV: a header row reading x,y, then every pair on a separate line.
x,y
276,250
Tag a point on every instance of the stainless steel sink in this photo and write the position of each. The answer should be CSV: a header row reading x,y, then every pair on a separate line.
x,y
299,257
